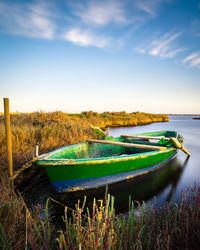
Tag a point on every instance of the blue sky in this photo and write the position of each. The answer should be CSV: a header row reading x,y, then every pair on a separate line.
x,y
112,55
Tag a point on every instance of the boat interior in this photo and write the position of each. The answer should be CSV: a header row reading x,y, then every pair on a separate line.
x,y
95,150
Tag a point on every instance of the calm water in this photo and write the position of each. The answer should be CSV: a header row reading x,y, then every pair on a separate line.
x,y
184,172
166,184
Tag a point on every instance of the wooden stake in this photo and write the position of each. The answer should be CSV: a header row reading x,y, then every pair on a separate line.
x,y
8,136
129,145
36,151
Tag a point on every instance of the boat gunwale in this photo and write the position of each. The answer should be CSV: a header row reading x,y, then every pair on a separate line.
x,y
100,160
43,161
146,171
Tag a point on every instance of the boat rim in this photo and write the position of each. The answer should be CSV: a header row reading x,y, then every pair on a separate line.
x,y
99,160
44,161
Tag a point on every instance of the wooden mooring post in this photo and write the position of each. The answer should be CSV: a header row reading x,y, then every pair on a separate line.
x,y
8,138
36,151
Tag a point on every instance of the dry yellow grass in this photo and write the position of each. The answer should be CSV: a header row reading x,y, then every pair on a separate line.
x,y
57,129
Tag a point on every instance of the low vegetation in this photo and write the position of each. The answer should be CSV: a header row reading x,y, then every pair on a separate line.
x,y
12,218
172,227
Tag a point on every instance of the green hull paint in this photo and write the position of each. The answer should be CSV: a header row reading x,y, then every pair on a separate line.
x,y
85,161
98,168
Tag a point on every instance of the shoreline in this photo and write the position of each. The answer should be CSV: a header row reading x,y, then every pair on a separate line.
x,y
183,114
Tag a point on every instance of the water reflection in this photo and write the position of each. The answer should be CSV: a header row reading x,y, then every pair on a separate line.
x,y
176,179
141,188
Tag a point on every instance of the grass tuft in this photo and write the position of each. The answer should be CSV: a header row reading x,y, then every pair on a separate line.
x,y
172,227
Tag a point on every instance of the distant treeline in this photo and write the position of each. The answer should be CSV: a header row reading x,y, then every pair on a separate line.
x,y
56,129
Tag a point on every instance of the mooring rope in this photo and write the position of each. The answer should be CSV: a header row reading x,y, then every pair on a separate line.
x,y
25,166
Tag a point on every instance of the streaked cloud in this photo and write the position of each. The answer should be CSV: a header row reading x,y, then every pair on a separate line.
x,y
101,12
85,38
116,11
163,46
150,6
193,60
31,20
147,6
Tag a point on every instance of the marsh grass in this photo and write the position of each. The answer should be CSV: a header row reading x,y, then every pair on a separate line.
x,y
57,129
171,227
12,218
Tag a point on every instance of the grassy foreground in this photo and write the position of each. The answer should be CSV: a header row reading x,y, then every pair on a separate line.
x,y
172,227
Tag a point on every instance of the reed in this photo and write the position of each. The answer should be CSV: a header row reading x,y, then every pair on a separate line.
x,y
12,218
174,226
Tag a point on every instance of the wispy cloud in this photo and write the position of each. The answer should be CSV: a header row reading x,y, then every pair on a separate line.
x,y
101,12
150,6
163,46
37,20
31,20
85,38
193,60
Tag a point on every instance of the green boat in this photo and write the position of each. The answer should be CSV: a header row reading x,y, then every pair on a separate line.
x,y
95,163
